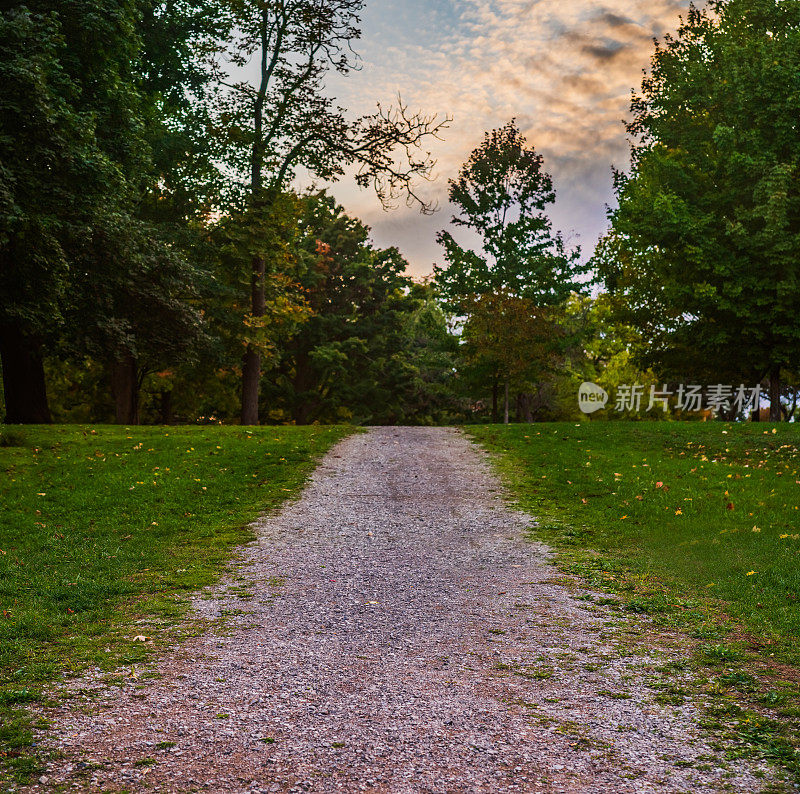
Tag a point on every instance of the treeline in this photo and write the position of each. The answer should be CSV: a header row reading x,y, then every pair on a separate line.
x,y
147,234
155,265
697,282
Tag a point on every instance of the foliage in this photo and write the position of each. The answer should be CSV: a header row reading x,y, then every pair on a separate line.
x,y
176,77
269,231
288,120
704,245
518,342
511,339
374,349
501,194
40,217
95,243
606,350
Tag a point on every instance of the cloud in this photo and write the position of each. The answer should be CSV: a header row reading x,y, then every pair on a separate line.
x,y
563,69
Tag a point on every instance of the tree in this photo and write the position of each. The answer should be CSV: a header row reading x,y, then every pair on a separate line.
x,y
129,306
103,184
287,121
517,341
350,360
707,233
53,181
501,194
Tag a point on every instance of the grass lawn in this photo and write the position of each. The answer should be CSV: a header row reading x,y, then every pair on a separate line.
x,y
708,511
104,526
695,524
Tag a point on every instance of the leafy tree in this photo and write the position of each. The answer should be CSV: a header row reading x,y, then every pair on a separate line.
x,y
103,184
287,120
53,181
515,340
271,232
177,81
371,348
707,234
137,318
501,194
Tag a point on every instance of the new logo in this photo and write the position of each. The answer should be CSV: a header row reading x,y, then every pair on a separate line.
x,y
591,397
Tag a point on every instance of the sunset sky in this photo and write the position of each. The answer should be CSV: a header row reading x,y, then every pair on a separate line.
x,y
564,69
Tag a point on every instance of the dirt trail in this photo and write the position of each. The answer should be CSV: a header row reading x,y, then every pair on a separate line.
x,y
401,637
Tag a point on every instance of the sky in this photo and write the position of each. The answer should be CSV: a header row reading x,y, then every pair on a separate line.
x,y
564,70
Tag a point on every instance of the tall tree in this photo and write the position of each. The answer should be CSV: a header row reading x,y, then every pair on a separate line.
x,y
286,120
708,225
54,178
501,194
103,178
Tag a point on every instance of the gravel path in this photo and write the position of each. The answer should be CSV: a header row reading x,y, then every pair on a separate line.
x,y
401,637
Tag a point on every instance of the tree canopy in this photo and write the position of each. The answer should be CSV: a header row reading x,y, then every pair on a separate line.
x,y
704,245
501,194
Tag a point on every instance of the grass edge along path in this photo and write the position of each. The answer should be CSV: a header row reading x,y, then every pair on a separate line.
x,y
670,519
105,532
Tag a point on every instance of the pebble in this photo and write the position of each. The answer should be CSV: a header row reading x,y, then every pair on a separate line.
x,y
404,637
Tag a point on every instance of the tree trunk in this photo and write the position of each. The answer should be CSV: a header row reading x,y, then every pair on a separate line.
x,y
166,408
125,390
505,413
755,416
524,403
23,378
305,399
251,375
495,400
775,394
251,366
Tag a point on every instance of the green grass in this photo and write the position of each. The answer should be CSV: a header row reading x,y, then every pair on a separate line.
x,y
695,525
707,511
103,527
